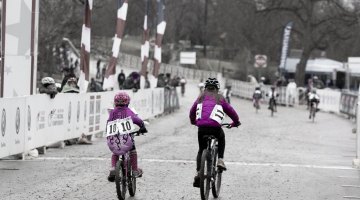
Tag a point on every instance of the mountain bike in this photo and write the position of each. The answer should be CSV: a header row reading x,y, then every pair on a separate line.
x,y
313,110
210,174
272,106
124,177
257,105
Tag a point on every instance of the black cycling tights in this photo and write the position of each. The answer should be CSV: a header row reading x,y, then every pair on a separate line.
x,y
215,131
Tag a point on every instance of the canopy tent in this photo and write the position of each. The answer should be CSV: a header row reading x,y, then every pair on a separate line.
x,y
317,65
354,66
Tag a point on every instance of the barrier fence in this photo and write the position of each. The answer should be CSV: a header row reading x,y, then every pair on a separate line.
x,y
35,121
330,100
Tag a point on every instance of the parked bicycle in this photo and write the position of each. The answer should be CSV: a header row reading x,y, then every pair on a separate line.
x,y
210,174
124,176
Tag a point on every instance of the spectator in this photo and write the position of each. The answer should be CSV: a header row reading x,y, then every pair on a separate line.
x,y
132,81
95,86
291,93
318,83
71,86
147,82
182,85
103,72
121,79
48,87
98,69
69,73
160,81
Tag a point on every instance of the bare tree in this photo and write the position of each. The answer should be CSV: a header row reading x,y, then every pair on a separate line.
x,y
318,23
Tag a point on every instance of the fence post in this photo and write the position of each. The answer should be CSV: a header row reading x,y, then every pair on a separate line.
x,y
356,161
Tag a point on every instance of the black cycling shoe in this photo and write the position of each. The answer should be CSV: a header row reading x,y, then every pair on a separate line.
x,y
196,181
111,177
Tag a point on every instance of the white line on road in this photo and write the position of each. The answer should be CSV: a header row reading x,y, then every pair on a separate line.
x,y
192,161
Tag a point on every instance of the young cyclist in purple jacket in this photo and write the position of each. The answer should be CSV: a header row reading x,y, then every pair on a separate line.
x,y
120,144
204,114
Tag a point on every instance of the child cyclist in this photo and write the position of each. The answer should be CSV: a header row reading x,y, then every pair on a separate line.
x,y
207,113
120,144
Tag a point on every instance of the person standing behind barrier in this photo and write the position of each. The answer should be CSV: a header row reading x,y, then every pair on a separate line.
x,y
121,79
48,87
98,63
71,86
182,85
227,93
291,93
103,71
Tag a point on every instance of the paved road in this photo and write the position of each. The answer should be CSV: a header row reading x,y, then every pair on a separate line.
x,y
281,157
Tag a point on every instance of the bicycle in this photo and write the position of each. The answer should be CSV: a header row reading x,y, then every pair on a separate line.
x,y
257,105
313,110
124,176
210,174
272,106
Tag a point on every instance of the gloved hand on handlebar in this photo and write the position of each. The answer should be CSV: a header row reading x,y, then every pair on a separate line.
x,y
235,124
143,130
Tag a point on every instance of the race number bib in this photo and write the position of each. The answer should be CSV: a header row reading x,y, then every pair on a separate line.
x,y
120,126
198,111
217,114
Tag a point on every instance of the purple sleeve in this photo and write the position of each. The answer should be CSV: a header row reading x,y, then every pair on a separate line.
x,y
229,110
110,116
135,118
192,114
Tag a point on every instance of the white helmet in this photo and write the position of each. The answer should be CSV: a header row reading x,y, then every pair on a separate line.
x,y
47,80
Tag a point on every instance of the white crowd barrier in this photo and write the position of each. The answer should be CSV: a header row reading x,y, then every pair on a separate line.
x,y
330,100
134,62
34,121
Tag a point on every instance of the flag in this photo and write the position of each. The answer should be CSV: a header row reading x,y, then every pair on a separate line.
x,y
85,47
285,46
145,45
109,80
160,30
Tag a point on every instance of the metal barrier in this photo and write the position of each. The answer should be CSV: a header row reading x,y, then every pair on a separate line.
x,y
171,100
348,104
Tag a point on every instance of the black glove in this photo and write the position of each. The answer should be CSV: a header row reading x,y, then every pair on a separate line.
x,y
143,130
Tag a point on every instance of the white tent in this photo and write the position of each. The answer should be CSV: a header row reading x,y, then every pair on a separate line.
x,y
317,65
354,66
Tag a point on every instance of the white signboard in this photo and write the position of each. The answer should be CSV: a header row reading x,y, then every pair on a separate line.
x,y
188,58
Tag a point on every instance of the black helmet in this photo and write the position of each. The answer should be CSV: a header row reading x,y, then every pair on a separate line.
x,y
212,82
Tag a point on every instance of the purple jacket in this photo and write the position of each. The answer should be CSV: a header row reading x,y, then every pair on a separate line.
x,y
119,145
124,112
209,103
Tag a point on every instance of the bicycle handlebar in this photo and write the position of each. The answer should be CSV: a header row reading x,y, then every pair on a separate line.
x,y
228,125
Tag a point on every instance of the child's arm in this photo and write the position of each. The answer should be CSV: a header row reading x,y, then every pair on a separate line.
x,y
229,110
192,114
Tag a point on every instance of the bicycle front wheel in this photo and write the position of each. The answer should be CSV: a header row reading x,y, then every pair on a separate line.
x,y
205,176
120,180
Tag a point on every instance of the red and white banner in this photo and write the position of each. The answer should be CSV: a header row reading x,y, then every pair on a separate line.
x,y
145,47
160,30
85,47
109,80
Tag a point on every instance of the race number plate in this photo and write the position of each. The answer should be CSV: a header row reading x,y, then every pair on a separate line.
x,y
120,126
198,111
218,114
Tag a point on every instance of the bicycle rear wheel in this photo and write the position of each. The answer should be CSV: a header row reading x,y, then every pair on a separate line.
x,y
131,180
272,107
205,177
216,184
120,180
